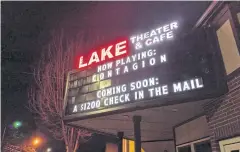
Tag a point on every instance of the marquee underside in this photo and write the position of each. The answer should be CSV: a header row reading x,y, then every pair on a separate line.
x,y
157,123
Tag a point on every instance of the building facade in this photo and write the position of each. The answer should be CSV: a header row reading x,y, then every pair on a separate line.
x,y
218,129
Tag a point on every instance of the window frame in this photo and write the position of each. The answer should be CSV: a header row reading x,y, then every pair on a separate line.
x,y
191,144
234,10
205,141
229,141
229,12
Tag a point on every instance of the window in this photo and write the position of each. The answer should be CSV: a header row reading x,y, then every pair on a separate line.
x,y
230,145
238,17
184,149
203,147
227,25
228,47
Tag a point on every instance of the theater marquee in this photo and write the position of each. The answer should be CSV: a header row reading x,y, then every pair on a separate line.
x,y
153,68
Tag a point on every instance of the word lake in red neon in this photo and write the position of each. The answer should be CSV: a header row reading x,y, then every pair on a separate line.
x,y
110,52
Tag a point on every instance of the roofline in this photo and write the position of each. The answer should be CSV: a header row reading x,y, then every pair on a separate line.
x,y
211,10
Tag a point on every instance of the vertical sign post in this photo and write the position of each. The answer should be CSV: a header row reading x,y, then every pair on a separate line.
x,y
137,132
120,142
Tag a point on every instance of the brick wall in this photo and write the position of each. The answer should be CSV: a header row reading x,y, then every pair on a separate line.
x,y
223,113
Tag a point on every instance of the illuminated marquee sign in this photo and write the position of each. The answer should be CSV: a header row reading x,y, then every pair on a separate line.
x,y
153,68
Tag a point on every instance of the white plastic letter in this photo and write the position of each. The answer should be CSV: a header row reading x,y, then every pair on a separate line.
x,y
173,25
133,39
75,108
148,42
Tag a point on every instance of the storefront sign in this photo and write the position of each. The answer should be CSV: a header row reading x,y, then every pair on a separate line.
x,y
151,68
154,36
101,55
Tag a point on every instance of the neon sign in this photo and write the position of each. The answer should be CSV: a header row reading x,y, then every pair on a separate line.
x,y
112,51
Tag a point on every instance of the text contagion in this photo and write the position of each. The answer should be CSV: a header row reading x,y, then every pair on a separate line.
x,y
135,62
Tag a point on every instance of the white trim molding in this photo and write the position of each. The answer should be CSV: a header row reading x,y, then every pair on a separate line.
x,y
223,143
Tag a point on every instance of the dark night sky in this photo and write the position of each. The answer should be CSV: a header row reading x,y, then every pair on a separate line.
x,y
26,27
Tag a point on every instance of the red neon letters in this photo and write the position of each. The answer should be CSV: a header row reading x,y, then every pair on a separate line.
x,y
113,51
